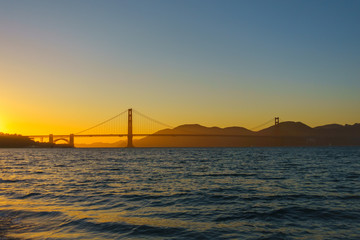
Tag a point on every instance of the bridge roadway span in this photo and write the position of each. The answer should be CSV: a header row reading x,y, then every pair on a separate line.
x,y
142,135
53,138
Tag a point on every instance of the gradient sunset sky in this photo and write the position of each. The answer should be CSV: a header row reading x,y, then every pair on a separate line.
x,y
66,65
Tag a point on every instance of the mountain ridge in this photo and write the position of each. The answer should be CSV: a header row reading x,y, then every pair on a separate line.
x,y
287,133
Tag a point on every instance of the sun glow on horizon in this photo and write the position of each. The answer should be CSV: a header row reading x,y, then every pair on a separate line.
x,y
61,75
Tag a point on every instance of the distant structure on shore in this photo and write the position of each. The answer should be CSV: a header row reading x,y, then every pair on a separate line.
x,y
18,141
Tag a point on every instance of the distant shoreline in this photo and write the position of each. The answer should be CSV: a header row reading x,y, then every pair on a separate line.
x,y
283,134
280,135
19,141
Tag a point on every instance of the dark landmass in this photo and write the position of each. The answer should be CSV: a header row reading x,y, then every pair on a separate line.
x,y
283,134
18,141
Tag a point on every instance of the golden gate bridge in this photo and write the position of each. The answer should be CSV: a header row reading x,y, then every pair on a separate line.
x,y
122,125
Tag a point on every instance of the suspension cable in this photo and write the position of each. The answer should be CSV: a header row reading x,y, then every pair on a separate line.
x,y
99,124
263,124
151,119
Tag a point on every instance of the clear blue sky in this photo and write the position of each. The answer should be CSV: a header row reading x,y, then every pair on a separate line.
x,y
224,63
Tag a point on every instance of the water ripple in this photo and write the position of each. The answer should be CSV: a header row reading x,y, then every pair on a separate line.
x,y
184,193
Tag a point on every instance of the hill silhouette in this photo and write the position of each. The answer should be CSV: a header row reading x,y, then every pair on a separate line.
x,y
198,141
287,129
12,140
283,134
199,129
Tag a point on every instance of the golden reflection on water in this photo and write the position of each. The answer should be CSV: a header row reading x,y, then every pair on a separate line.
x,y
76,212
82,194
92,214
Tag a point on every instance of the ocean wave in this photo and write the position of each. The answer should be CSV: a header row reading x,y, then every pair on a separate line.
x,y
254,193
11,180
293,214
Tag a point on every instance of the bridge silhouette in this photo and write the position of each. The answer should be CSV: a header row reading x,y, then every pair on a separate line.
x,y
122,125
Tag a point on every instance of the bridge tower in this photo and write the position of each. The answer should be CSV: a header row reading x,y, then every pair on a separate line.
x,y
277,121
71,140
130,132
51,138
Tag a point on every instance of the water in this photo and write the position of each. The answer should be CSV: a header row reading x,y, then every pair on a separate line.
x,y
180,193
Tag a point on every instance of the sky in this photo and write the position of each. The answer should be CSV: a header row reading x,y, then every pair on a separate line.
x,y
66,65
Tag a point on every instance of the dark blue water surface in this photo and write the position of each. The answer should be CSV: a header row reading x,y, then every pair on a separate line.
x,y
180,193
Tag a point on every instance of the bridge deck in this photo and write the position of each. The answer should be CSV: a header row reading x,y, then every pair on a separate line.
x,y
141,135
167,135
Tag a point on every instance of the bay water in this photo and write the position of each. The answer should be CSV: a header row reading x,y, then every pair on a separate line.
x,y
180,193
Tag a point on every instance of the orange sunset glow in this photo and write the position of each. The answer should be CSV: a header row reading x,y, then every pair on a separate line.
x,y
62,74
